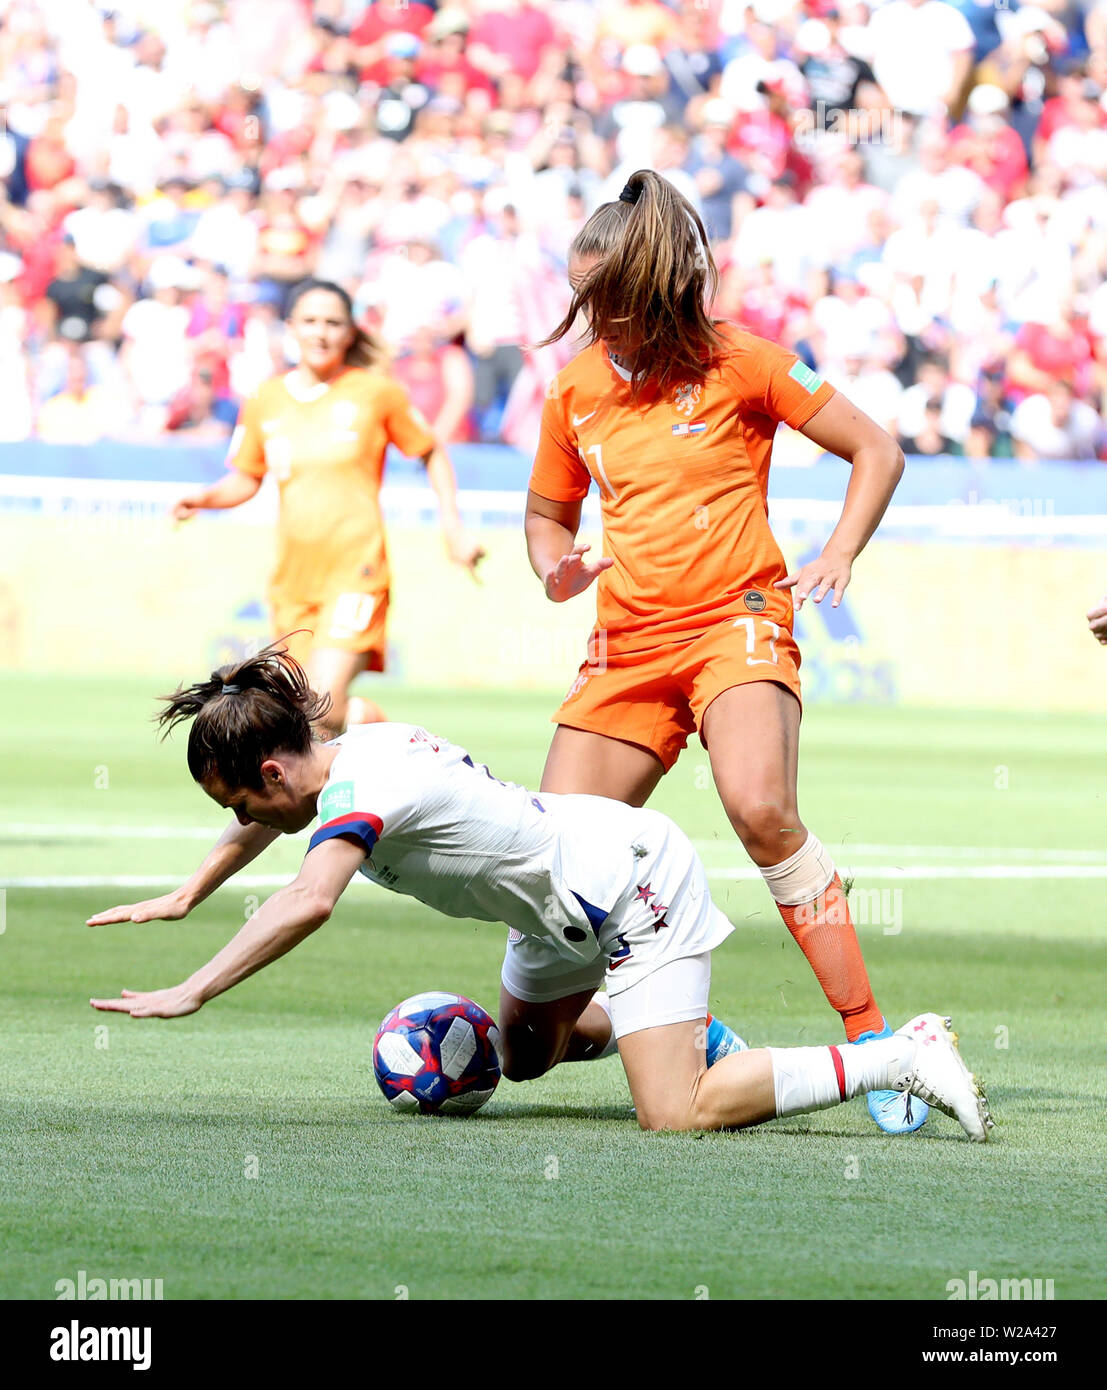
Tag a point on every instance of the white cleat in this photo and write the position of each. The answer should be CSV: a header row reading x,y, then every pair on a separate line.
x,y
939,1076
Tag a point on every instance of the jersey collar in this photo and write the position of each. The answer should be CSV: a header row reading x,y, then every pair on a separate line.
x,y
620,371
305,395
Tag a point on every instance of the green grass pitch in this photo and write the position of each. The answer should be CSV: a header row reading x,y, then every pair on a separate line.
x,y
245,1152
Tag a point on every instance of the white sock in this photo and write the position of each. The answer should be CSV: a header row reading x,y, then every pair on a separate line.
x,y
802,876
807,1078
611,1047
887,1071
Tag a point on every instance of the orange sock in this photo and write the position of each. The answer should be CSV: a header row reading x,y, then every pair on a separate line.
x,y
823,930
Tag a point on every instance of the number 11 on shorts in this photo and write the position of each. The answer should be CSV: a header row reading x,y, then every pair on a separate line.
x,y
751,641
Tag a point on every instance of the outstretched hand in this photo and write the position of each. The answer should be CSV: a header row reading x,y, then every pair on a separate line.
x,y
187,507
466,552
828,574
573,573
169,908
157,1003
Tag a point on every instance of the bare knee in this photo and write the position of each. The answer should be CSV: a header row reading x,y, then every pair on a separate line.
x,y
680,1117
524,1058
524,1068
684,1121
662,1121
771,830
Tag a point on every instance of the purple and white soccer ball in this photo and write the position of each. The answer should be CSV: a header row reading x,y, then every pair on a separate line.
x,y
438,1054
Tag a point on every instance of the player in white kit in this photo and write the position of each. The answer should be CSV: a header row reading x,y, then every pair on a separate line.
x,y
591,890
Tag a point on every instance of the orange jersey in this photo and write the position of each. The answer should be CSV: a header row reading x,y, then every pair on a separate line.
x,y
683,481
326,450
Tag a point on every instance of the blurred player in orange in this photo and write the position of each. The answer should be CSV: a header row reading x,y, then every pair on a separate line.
x,y
322,430
672,415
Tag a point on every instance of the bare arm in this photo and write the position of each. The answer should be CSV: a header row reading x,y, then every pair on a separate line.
x,y
462,549
457,377
235,848
232,489
842,429
283,921
551,530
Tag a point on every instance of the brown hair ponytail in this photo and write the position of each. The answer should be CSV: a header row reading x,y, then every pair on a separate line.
x,y
243,714
366,350
651,284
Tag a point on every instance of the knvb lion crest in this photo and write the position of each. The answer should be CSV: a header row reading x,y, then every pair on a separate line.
x,y
687,397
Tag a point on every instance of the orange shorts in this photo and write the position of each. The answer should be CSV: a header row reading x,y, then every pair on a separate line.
x,y
352,622
657,698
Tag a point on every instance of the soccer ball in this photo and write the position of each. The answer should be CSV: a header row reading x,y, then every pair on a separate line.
x,y
438,1054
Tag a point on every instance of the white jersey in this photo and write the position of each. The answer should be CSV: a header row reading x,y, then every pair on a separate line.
x,y
562,869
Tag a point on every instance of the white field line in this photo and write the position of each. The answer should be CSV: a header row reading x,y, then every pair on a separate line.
x,y
22,830
141,881
148,500
106,832
935,871
847,853
881,871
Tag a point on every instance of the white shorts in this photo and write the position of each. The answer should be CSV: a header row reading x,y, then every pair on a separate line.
x,y
662,914
536,972
675,992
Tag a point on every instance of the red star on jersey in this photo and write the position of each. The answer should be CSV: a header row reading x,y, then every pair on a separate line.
x,y
644,894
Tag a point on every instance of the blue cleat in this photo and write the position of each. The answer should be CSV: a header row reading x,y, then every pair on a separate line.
x,y
722,1041
895,1112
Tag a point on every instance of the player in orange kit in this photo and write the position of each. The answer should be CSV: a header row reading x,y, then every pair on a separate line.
x,y
322,431
672,416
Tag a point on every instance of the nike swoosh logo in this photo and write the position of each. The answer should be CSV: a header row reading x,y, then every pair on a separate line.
x,y
580,419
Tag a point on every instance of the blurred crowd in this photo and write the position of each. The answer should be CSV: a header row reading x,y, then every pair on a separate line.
x,y
912,195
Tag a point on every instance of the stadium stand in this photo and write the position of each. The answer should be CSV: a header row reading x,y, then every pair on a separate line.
x,y
912,196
